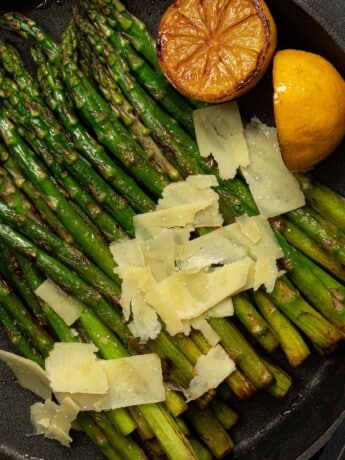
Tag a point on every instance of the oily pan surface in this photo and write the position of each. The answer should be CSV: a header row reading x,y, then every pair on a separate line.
x,y
268,428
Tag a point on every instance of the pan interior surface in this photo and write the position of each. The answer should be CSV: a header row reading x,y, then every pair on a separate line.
x,y
284,429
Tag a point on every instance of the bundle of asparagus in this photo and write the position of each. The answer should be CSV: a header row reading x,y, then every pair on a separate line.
x,y
90,143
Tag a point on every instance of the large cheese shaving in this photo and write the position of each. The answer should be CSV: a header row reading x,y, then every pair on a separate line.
x,y
74,368
211,369
274,188
184,295
66,306
28,373
132,381
219,133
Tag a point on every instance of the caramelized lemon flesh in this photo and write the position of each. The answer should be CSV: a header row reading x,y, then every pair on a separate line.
x,y
215,50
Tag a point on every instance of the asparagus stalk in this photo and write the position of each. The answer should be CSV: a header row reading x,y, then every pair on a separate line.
x,y
321,333
282,381
14,306
329,203
11,270
257,326
224,413
66,253
95,248
154,82
122,108
126,447
298,239
100,217
98,436
291,341
13,64
18,339
200,450
41,206
321,230
28,28
311,286
57,100
210,431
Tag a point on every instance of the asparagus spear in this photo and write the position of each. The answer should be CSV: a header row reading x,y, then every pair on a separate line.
x,y
282,381
99,216
127,448
66,253
301,241
210,431
17,338
24,319
64,152
322,333
28,28
12,62
98,436
41,206
311,286
122,108
321,230
153,81
322,198
95,248
252,320
57,100
291,341
11,270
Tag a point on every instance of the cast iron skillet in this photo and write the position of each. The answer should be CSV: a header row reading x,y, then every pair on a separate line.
x,y
297,426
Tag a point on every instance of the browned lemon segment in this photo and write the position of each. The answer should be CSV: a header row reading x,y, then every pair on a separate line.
x,y
309,107
215,50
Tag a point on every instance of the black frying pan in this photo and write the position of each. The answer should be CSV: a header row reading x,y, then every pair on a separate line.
x,y
297,426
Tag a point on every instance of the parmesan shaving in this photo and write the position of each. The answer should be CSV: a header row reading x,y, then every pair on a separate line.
x,y
274,188
74,368
54,420
66,306
132,381
28,373
211,369
208,332
220,135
